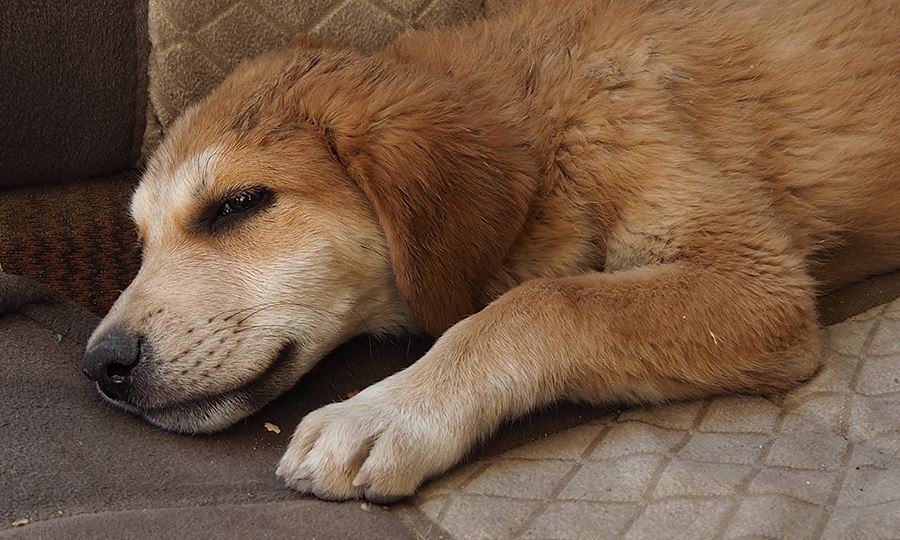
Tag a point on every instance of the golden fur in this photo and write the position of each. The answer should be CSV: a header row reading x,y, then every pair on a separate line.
x,y
613,201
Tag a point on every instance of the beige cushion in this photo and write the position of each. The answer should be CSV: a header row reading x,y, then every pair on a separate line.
x,y
195,43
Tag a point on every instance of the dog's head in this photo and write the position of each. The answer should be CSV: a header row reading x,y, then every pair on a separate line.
x,y
314,196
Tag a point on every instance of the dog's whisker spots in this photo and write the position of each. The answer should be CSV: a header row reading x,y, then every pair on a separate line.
x,y
238,326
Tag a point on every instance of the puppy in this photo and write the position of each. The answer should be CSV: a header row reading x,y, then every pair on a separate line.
x,y
608,201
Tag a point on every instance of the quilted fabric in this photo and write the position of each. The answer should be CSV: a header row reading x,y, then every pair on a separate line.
x,y
195,44
819,463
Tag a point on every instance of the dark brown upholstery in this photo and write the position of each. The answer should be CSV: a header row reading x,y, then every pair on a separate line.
x,y
72,88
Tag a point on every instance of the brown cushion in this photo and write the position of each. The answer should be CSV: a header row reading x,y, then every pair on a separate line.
x,y
75,468
72,88
75,238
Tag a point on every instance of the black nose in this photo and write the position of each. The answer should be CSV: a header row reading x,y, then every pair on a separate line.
x,y
110,362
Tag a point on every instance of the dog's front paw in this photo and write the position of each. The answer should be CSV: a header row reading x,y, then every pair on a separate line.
x,y
380,445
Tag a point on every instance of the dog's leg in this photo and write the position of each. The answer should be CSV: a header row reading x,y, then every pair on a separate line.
x,y
667,332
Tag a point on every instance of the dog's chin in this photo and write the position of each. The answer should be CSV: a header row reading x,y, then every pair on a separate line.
x,y
208,414
204,415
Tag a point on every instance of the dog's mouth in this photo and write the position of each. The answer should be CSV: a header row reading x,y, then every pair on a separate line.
x,y
214,412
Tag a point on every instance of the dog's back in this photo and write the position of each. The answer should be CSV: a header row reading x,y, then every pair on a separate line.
x,y
798,101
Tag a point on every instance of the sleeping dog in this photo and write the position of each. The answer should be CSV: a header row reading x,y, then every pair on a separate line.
x,y
606,201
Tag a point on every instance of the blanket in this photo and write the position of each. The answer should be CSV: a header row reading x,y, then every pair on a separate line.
x,y
819,462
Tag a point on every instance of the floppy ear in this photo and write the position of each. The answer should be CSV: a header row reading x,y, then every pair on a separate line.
x,y
451,188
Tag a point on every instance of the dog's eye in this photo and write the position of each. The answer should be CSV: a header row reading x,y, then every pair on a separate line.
x,y
240,202
234,208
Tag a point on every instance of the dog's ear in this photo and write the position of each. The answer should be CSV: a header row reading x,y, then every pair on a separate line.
x,y
451,188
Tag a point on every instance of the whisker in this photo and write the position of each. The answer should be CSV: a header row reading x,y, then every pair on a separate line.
x,y
248,312
258,308
265,327
383,256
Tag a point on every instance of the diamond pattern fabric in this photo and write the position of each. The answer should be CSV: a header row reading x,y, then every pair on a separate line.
x,y
195,44
819,463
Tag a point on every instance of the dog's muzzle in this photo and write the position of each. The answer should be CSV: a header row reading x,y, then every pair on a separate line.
x,y
110,361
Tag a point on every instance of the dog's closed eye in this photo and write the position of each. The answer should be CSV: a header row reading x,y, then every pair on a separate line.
x,y
240,202
235,207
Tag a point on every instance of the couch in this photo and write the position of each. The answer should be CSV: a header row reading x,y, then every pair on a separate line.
x,y
87,88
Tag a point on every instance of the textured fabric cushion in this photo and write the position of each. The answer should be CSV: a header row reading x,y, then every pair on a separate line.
x,y
72,88
72,467
77,238
196,43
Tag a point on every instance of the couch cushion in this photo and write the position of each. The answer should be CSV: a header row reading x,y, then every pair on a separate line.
x,y
72,467
75,468
72,88
197,43
76,238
